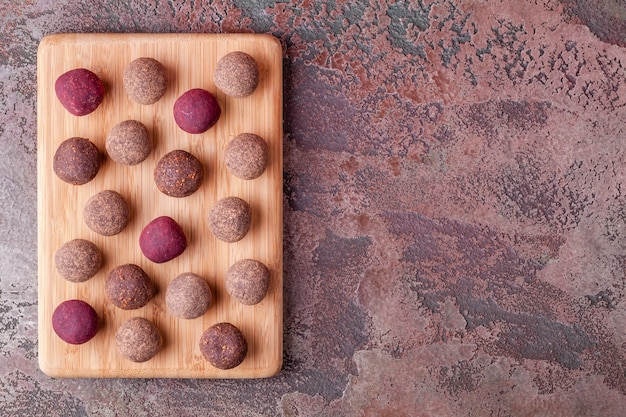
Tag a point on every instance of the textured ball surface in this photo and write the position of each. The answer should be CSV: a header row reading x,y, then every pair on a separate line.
x,y
76,161
237,74
188,296
75,321
178,174
80,91
248,281
106,213
78,260
128,142
246,156
128,287
138,339
223,345
196,111
162,240
230,219
145,80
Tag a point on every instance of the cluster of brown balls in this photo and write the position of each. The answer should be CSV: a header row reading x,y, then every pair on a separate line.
x,y
177,174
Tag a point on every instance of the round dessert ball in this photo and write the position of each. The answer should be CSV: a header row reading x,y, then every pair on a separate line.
x,y
237,74
248,280
196,111
128,287
223,345
78,260
162,240
75,321
178,174
230,219
128,143
80,91
145,80
246,156
106,213
188,296
76,161
138,339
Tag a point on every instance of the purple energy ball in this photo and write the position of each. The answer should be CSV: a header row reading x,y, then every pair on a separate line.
x,y
75,321
196,111
80,91
162,240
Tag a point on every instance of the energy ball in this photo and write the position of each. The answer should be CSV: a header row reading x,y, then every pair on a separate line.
x,y
138,339
230,219
128,287
106,213
246,156
237,74
188,296
80,91
145,80
75,321
78,260
248,280
76,161
196,111
162,240
128,142
223,345
178,174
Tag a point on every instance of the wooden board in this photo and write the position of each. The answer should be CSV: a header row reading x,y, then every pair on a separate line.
x,y
190,60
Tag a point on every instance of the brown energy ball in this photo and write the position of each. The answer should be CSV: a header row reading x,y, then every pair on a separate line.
x,y
145,80
76,161
80,91
230,219
188,296
248,280
128,287
237,74
138,339
106,213
75,321
246,156
178,174
78,260
128,143
223,345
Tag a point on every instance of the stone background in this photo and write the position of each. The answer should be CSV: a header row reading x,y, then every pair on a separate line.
x,y
455,227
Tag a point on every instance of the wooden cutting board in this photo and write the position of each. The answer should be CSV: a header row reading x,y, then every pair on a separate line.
x,y
190,60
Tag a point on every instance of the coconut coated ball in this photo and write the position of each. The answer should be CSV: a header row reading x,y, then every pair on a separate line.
x,y
188,296
145,80
237,74
248,281
246,156
106,213
230,219
138,339
76,161
78,260
128,142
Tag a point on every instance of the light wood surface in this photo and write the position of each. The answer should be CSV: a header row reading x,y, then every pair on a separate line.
x,y
190,60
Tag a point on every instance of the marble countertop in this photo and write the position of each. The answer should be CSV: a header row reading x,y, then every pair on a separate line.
x,y
454,214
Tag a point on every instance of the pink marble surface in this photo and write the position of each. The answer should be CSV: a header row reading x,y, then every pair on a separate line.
x,y
455,227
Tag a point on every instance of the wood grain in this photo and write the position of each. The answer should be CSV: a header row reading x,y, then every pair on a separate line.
x,y
190,60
